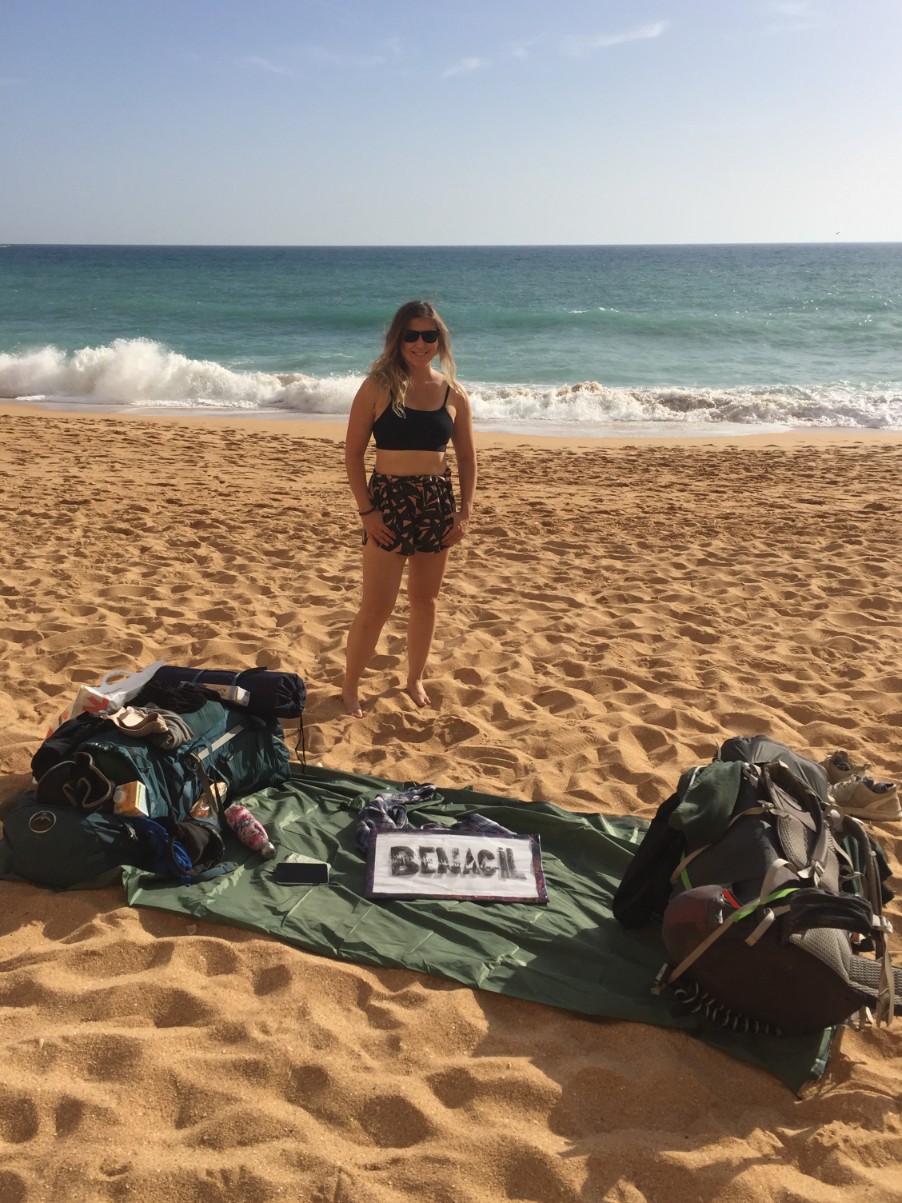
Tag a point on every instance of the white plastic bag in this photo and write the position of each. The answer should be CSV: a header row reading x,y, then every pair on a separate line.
x,y
113,690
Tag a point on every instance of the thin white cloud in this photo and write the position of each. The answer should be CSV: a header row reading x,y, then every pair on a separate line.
x,y
264,64
794,15
389,52
581,47
523,50
793,8
465,67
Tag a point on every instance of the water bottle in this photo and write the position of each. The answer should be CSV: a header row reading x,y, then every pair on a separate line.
x,y
249,830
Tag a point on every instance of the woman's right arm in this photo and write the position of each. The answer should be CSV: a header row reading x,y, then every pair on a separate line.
x,y
360,428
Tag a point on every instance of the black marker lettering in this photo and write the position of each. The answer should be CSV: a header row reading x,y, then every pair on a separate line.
x,y
444,864
508,856
402,863
485,868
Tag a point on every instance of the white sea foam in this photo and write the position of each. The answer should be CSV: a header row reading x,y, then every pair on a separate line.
x,y
139,374
593,404
132,372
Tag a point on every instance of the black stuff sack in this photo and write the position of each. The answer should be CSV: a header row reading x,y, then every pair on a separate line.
x,y
769,901
271,694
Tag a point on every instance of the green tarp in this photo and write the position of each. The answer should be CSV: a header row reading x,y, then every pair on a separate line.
x,y
571,953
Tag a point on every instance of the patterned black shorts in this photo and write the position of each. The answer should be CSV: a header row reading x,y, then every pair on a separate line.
x,y
418,509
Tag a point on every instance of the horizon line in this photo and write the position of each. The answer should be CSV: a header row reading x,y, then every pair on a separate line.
x,y
435,246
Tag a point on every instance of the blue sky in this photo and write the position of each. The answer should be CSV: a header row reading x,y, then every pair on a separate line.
x,y
470,121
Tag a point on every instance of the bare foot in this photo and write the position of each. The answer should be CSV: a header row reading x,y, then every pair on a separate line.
x,y
418,693
352,702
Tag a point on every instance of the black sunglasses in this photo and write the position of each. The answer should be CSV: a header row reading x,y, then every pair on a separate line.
x,y
428,336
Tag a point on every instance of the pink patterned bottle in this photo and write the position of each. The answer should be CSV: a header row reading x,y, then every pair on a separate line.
x,y
249,830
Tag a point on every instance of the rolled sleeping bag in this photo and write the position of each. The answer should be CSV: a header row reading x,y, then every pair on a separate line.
x,y
271,694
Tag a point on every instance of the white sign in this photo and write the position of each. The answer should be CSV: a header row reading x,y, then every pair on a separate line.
x,y
443,864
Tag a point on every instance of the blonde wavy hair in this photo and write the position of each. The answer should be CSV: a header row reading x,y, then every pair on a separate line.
x,y
390,370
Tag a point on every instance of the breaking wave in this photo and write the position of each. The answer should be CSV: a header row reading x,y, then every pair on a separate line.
x,y
130,374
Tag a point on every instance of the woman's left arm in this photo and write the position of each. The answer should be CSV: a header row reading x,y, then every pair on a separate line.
x,y
464,443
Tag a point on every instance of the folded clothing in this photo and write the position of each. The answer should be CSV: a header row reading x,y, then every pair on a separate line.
x,y
162,727
388,812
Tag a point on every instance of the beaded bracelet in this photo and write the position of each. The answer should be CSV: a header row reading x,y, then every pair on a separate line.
x,y
363,513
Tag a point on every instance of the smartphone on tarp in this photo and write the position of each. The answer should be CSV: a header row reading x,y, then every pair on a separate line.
x,y
301,871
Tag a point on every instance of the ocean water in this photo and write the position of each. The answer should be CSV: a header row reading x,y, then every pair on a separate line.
x,y
592,340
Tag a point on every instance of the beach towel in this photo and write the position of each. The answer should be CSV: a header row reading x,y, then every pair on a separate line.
x,y
571,953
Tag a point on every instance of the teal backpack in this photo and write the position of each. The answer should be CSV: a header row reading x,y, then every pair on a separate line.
x,y
64,832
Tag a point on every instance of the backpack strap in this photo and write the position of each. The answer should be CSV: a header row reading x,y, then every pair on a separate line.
x,y
771,891
886,994
800,807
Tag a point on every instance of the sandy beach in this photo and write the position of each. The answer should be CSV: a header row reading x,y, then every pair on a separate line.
x,y
617,610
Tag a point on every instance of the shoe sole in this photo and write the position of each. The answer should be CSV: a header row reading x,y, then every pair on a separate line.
x,y
872,812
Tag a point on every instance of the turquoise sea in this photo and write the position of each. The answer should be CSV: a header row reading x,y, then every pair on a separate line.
x,y
624,339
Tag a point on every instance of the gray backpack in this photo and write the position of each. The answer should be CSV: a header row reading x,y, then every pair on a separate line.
x,y
770,901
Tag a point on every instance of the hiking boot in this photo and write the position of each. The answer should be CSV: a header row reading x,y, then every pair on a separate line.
x,y
839,767
864,798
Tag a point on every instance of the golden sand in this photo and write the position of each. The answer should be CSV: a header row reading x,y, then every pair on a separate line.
x,y
617,610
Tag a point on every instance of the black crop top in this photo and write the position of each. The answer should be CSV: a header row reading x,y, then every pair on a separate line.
x,y
418,430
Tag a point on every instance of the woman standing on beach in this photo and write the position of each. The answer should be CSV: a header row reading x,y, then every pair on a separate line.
x,y
407,508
